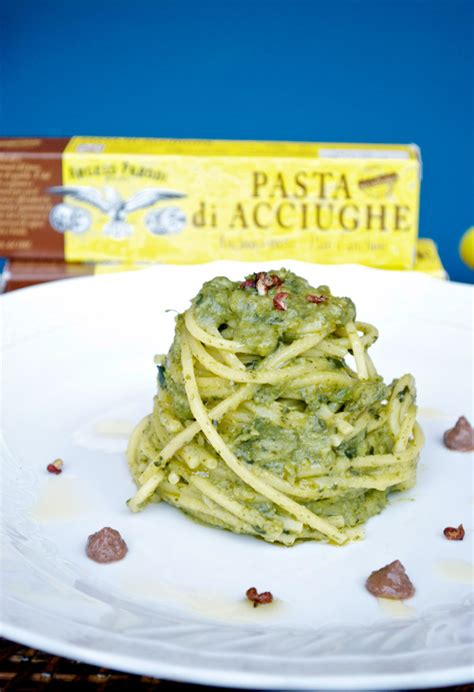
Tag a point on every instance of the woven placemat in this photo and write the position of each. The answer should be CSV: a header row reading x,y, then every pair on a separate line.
x,y
25,669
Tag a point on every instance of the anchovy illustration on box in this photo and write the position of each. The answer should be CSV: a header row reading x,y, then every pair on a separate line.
x,y
110,202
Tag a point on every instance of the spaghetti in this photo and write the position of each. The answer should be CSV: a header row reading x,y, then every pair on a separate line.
x,y
260,424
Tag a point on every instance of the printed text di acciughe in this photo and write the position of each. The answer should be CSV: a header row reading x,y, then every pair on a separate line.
x,y
316,200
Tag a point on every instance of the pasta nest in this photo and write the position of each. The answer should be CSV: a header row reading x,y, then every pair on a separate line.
x,y
270,418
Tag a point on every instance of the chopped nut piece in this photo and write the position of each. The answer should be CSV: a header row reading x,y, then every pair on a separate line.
x,y
453,534
390,581
276,281
316,299
258,598
461,437
279,301
248,283
56,466
262,282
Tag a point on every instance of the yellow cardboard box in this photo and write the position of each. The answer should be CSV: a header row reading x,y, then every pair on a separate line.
x,y
428,260
193,201
99,199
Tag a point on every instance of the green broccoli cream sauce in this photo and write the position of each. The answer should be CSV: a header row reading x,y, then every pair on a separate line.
x,y
287,433
242,314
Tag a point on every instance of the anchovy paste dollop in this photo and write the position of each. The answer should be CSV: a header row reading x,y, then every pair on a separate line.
x,y
461,437
390,581
106,545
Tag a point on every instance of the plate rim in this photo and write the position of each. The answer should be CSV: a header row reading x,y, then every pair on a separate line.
x,y
241,679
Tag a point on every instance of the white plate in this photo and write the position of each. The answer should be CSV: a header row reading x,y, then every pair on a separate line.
x,y
78,372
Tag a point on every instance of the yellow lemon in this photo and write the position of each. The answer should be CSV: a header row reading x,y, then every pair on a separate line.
x,y
466,247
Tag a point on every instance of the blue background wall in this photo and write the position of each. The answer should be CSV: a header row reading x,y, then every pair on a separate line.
x,y
380,71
